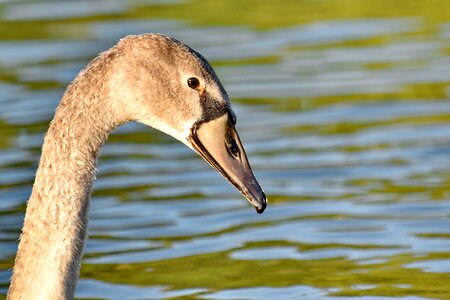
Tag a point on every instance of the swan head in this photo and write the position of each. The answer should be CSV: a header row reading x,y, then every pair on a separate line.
x,y
171,87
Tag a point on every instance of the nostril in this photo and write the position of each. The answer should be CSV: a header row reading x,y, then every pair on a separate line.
x,y
234,149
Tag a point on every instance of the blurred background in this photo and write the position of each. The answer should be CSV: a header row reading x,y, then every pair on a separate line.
x,y
343,107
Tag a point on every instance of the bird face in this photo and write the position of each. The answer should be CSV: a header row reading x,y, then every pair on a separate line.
x,y
180,94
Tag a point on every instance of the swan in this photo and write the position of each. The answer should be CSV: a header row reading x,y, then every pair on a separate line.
x,y
152,79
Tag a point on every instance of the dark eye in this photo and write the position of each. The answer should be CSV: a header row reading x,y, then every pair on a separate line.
x,y
193,82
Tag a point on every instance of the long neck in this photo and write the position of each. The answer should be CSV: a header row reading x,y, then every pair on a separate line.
x,y
48,259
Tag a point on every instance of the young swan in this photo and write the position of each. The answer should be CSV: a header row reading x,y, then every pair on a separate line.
x,y
152,79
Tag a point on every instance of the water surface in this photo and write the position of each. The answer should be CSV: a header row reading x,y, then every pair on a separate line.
x,y
345,115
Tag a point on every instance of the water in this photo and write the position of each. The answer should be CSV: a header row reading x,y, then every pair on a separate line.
x,y
344,111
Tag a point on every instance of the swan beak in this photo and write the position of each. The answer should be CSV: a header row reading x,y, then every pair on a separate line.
x,y
218,143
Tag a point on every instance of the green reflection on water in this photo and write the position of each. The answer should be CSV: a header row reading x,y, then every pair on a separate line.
x,y
348,127
271,14
8,132
217,271
254,13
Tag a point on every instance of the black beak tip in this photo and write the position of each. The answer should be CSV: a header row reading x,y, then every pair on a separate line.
x,y
260,209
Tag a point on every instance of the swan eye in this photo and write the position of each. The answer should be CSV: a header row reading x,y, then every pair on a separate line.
x,y
193,82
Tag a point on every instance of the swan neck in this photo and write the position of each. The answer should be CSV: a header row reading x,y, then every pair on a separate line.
x,y
50,249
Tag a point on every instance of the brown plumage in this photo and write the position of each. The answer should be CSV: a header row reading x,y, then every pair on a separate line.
x,y
143,78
